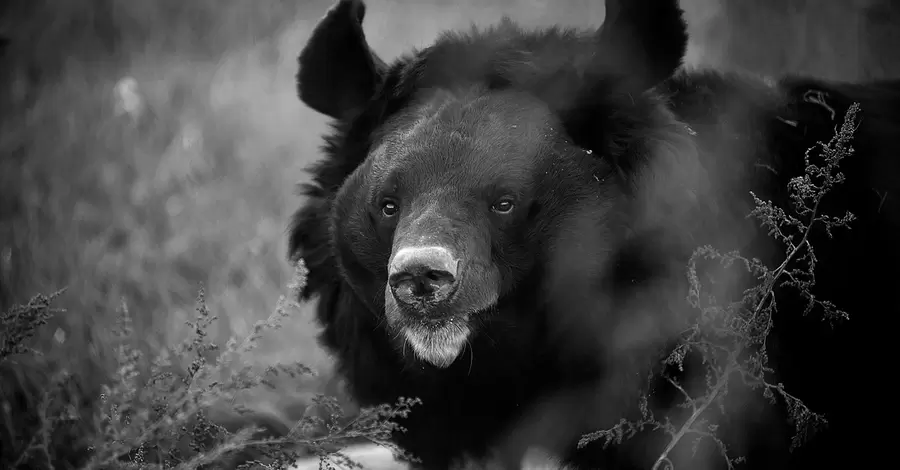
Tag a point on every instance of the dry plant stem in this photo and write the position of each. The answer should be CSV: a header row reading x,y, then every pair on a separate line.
x,y
733,365
686,427
153,428
40,440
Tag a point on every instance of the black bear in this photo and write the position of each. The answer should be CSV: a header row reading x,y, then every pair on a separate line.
x,y
501,223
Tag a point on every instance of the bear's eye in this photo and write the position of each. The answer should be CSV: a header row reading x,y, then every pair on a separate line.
x,y
389,208
503,206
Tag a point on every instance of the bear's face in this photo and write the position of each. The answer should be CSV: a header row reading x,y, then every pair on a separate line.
x,y
475,167
441,220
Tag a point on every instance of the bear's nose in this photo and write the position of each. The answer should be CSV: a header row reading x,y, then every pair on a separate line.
x,y
422,273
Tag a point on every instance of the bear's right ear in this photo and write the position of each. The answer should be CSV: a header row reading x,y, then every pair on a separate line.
x,y
338,72
645,40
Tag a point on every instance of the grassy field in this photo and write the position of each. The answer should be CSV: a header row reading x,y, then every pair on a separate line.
x,y
147,148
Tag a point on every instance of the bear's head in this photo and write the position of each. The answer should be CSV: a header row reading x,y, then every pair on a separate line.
x,y
487,165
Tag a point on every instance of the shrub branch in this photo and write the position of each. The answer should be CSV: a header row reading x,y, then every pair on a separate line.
x,y
731,337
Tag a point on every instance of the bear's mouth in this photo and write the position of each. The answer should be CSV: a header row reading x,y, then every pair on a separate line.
x,y
436,335
437,342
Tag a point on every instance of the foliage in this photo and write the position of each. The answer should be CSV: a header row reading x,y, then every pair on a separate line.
x,y
731,337
160,419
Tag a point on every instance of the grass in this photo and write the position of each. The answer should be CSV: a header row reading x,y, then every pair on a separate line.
x,y
153,414
146,207
193,188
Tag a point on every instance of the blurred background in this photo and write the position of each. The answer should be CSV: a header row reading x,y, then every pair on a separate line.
x,y
147,147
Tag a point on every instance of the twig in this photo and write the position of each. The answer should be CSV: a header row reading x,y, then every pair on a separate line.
x,y
764,302
698,410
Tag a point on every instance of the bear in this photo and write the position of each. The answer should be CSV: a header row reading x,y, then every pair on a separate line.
x,y
501,223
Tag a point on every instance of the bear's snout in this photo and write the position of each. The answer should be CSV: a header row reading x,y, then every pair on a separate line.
x,y
422,274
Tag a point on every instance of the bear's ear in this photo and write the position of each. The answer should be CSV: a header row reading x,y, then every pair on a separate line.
x,y
646,40
338,71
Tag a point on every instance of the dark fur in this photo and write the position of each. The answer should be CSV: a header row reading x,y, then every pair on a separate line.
x,y
667,167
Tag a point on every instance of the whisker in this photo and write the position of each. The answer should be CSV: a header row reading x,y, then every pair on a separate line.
x,y
471,356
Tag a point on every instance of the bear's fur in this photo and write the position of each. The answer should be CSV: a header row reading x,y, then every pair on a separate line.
x,y
569,175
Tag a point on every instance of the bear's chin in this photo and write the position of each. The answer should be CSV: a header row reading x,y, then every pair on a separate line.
x,y
435,337
438,345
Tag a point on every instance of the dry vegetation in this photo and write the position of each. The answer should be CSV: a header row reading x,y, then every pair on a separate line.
x,y
730,336
146,151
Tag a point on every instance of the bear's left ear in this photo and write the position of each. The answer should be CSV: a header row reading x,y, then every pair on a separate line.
x,y
338,72
645,40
